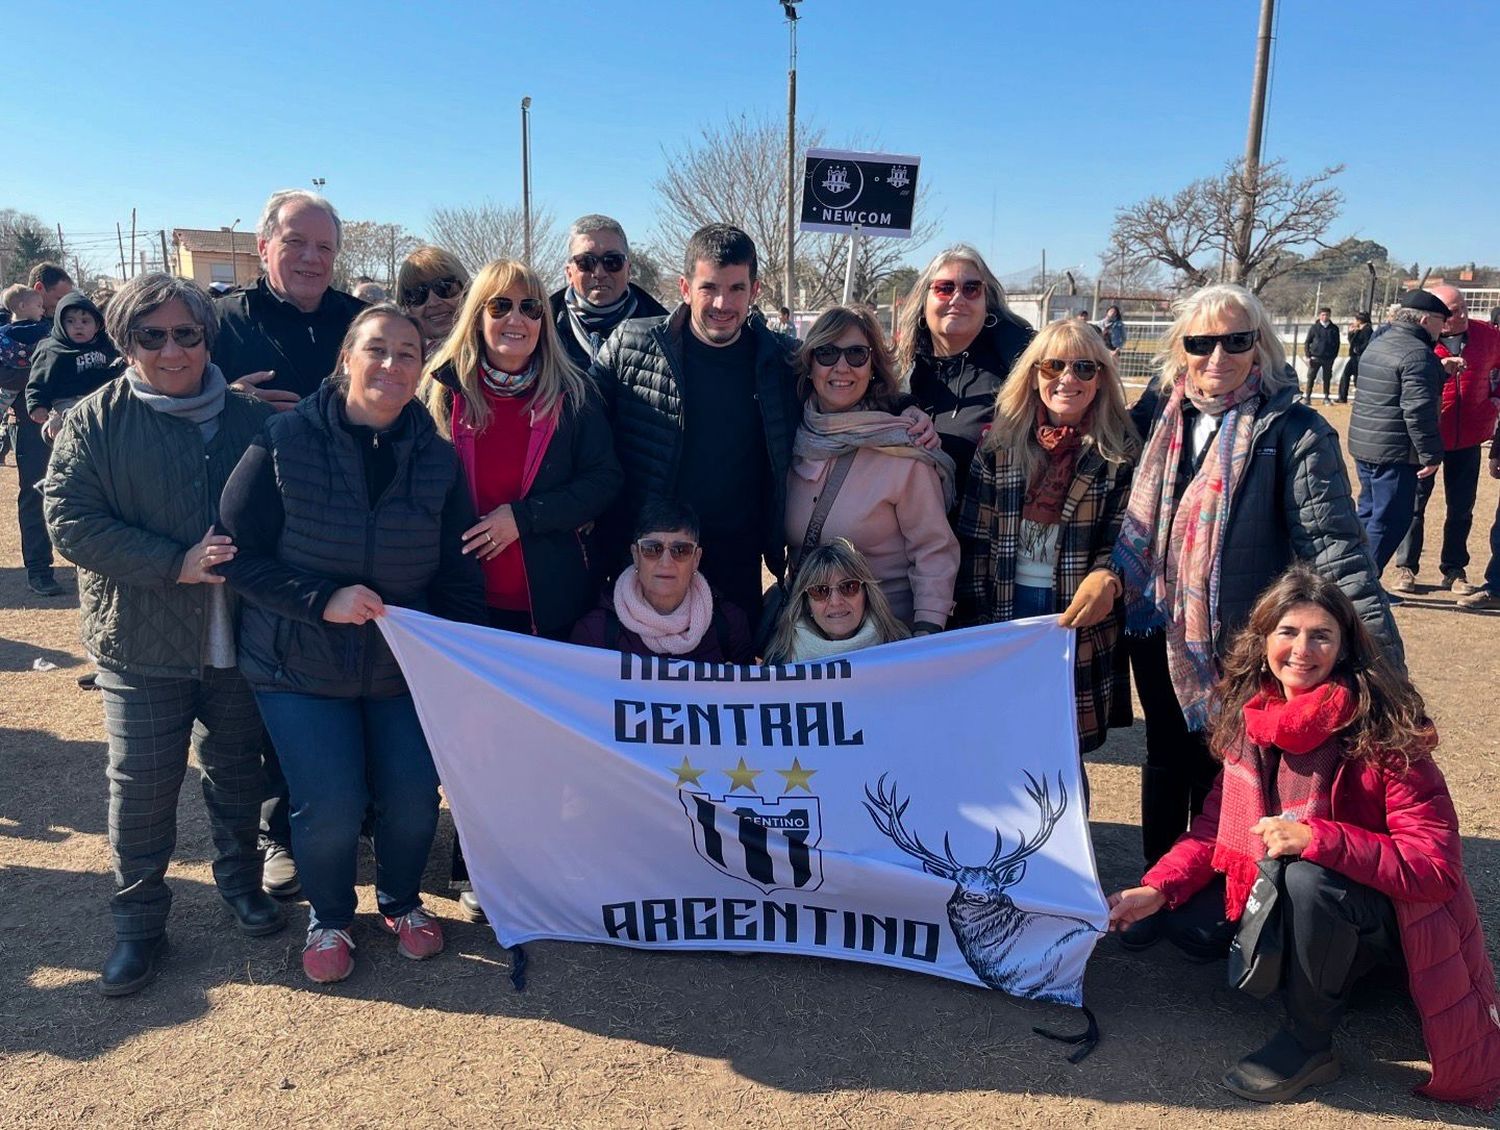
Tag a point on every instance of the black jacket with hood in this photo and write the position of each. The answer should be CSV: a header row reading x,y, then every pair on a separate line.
x,y
62,369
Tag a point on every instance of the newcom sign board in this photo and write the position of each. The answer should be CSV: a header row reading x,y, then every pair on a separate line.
x,y
876,191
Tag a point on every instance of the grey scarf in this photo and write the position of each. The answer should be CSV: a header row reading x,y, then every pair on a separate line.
x,y
203,408
592,324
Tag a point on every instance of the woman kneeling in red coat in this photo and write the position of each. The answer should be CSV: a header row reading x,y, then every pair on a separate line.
x,y
1316,726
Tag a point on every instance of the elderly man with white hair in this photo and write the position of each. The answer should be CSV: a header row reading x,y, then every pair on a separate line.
x,y
599,295
280,337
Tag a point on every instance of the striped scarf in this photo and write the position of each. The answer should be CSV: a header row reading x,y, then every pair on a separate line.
x,y
1169,554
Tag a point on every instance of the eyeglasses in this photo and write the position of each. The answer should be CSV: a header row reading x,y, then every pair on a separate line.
x,y
500,307
445,287
150,338
828,355
1201,345
612,261
1083,369
848,588
947,288
651,549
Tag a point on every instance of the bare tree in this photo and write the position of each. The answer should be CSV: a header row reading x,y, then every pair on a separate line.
x,y
1196,231
373,250
478,233
736,174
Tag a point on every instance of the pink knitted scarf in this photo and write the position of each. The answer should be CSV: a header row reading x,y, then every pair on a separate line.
x,y
672,633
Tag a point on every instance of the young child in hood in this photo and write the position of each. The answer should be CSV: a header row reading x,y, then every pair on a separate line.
x,y
26,328
75,359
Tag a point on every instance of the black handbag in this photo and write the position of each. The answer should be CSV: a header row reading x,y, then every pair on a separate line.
x,y
1256,954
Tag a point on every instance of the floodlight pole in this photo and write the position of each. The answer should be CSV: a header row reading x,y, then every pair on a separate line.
x,y
526,177
789,280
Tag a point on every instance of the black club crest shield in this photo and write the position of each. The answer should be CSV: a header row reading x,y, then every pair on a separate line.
x,y
770,844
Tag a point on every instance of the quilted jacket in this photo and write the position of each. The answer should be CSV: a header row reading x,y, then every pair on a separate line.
x,y
129,490
1395,414
639,372
1393,829
1294,504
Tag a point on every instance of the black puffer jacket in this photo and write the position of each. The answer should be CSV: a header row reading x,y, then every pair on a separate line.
x,y
958,392
407,546
1395,415
128,491
576,481
639,373
1294,504
645,307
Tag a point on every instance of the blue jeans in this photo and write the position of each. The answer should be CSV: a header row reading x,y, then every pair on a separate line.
x,y
339,756
1029,601
1387,501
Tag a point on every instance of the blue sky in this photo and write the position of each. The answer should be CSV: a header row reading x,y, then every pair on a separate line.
x,y
1034,121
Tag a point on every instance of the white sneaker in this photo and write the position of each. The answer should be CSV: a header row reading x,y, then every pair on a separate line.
x,y
1402,580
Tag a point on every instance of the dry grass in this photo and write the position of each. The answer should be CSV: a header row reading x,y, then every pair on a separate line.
x,y
232,1035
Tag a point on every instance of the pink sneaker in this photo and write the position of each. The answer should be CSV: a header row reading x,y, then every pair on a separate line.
x,y
418,934
327,957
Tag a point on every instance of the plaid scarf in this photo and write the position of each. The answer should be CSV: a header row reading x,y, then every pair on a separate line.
x,y
1168,554
1304,732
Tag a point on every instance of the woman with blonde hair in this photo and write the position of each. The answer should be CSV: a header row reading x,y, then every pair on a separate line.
x,y
857,472
956,341
835,607
1045,496
1236,481
535,448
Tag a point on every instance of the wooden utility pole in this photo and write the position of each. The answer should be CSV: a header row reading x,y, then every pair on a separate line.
x,y
119,236
62,248
789,275
166,263
132,243
1250,176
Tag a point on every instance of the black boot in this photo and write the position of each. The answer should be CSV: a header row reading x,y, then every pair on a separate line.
x,y
469,901
256,913
132,965
1281,1070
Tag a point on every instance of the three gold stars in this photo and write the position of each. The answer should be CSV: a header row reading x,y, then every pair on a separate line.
x,y
742,777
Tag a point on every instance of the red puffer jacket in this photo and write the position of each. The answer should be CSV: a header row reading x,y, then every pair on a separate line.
x,y
1467,415
1395,830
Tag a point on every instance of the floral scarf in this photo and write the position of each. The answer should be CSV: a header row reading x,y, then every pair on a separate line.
x,y
1169,553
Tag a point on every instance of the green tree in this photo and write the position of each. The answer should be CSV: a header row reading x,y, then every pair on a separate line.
x,y
24,242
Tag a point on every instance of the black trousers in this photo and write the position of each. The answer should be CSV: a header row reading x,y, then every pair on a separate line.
x,y
1460,475
1335,932
32,453
1314,365
1350,373
1179,769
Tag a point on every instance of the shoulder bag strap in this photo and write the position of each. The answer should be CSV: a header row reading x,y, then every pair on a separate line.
x,y
836,476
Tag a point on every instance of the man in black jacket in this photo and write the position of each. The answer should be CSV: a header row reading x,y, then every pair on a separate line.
x,y
599,296
1393,428
279,338
704,409
1322,349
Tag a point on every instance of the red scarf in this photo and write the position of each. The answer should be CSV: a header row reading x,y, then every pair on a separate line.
x,y
1306,730
1048,489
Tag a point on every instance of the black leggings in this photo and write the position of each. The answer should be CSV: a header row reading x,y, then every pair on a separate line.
x,y
1179,770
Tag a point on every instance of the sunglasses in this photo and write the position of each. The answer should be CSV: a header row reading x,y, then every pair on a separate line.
x,y
1201,345
1084,370
613,262
651,549
848,588
828,355
151,338
446,287
500,307
947,288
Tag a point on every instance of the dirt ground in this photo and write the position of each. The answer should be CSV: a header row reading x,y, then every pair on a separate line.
x,y
233,1035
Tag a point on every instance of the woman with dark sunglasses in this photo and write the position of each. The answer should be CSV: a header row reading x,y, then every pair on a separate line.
x,y
534,445
1045,496
132,498
884,492
1236,481
430,286
661,604
835,607
956,341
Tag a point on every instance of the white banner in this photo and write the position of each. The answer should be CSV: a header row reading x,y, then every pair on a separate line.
x,y
918,805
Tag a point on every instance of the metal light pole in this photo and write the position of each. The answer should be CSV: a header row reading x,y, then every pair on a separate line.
x,y
319,182
789,283
1253,139
526,176
234,260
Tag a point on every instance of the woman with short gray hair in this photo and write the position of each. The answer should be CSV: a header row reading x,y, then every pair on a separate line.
x,y
131,497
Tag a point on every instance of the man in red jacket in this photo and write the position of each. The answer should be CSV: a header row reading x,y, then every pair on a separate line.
x,y
1470,353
